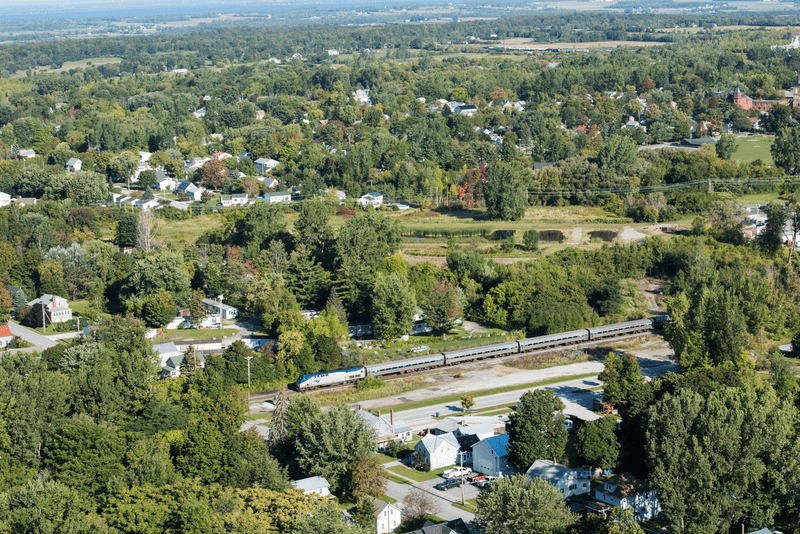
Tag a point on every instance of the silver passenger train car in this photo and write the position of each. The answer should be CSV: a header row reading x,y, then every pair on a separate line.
x,y
418,363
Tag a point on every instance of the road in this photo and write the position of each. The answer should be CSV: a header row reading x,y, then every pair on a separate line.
x,y
32,337
443,499
573,393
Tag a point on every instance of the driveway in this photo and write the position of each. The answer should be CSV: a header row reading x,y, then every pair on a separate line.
x,y
31,336
444,499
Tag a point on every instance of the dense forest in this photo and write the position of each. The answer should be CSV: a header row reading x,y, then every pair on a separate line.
x,y
92,441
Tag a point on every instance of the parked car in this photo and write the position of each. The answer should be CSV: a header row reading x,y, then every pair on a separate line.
x,y
485,482
456,472
477,478
447,484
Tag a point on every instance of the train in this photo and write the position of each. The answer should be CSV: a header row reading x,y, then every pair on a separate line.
x,y
338,377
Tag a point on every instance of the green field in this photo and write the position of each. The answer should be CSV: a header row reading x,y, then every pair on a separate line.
x,y
190,230
753,148
419,476
197,335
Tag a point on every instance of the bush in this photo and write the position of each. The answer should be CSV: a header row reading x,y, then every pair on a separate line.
x,y
371,382
531,240
508,245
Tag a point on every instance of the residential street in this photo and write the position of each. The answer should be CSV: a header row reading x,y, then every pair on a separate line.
x,y
31,336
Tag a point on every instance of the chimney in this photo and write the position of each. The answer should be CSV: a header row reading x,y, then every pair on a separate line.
x,y
54,301
379,413
360,408
392,420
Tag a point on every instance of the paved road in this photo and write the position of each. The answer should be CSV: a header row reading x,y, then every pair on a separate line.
x,y
573,393
31,337
444,499
65,335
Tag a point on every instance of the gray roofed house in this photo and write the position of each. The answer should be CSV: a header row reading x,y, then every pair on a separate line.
x,y
74,164
310,485
438,451
278,196
456,526
172,366
566,480
57,308
265,164
27,153
391,430
194,192
214,306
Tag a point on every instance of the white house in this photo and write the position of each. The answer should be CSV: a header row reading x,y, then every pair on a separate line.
x,y
215,307
481,431
466,109
438,451
200,113
5,199
74,164
626,491
194,192
333,52
391,430
146,205
269,181
371,199
388,517
164,182
165,351
490,456
221,156
266,164
144,156
362,97
208,345
27,153
238,199
566,480
279,196
6,336
57,308
311,485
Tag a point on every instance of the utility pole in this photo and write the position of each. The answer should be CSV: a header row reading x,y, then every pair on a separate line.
x,y
461,456
44,320
220,310
248,358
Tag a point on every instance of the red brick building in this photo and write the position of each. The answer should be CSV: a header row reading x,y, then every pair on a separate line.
x,y
745,102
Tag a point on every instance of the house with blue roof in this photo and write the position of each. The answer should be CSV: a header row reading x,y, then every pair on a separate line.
x,y
490,457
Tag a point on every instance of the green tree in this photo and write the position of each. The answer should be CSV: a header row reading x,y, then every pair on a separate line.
x,y
126,233
536,429
367,238
441,306
725,147
597,443
517,504
197,310
262,224
504,192
619,155
327,519
393,306
531,240
367,476
121,167
159,309
147,179
771,238
785,149
621,521
148,194
329,442
621,377
159,271
365,513
201,453
704,451
190,364
19,299
312,228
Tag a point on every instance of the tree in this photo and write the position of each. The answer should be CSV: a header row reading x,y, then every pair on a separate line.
x,y
467,402
19,299
393,306
148,194
190,365
160,271
159,309
531,240
771,238
725,147
121,167
621,377
517,504
126,233
618,154
147,229
262,224
441,307
786,149
279,425
329,442
213,174
419,503
327,519
597,443
147,179
621,521
6,305
367,476
365,513
201,452
197,310
720,461
536,429
367,238
504,192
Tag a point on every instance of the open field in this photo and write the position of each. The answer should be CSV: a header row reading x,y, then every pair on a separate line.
x,y
753,148
67,65
197,335
190,230
524,43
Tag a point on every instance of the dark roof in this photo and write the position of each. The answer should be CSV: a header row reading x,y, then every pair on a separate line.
x,y
456,525
699,141
12,290
466,442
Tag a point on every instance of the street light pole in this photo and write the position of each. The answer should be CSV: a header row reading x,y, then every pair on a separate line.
x,y
248,358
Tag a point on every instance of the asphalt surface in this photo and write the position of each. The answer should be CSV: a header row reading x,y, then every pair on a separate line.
x,y
31,336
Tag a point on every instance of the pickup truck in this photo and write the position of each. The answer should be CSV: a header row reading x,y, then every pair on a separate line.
x,y
456,472
478,478
485,482
447,484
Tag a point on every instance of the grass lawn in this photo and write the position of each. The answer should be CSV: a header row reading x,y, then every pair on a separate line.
x,y
197,335
483,393
190,230
419,476
752,148
398,480
385,459
469,505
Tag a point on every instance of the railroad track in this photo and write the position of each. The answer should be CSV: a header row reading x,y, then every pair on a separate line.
x,y
265,396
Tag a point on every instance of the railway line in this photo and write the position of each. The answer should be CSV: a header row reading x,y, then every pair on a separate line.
x,y
267,396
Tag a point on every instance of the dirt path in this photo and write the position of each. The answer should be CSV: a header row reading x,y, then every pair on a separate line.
x,y
575,238
651,289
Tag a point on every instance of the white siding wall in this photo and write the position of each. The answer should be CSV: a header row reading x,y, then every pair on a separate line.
x,y
388,520
485,461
